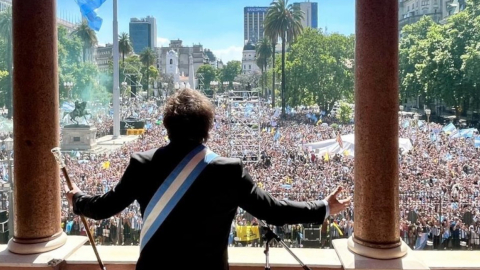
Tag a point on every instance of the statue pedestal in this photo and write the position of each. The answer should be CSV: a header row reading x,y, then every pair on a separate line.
x,y
79,137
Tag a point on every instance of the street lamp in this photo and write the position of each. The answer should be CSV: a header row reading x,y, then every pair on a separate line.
x,y
8,142
428,112
68,86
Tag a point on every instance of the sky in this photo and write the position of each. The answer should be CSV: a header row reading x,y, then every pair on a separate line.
x,y
216,24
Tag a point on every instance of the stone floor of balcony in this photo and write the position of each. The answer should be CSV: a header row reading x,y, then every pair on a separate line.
x,y
76,256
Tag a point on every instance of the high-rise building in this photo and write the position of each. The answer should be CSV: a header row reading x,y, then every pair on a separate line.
x,y
253,18
310,13
143,33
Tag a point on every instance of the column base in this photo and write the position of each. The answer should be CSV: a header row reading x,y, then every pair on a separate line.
x,y
354,261
377,253
37,247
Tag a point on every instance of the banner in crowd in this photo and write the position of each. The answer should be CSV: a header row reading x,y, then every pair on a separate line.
x,y
332,146
247,233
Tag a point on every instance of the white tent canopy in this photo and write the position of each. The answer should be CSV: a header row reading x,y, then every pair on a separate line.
x,y
332,147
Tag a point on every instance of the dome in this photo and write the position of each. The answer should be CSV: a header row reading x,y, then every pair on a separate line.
x,y
249,47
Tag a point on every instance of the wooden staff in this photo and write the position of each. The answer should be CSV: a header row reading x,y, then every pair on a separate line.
x,y
59,158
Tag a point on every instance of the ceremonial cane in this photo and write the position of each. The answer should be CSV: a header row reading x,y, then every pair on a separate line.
x,y
58,157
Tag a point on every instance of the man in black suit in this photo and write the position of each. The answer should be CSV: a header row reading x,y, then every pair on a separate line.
x,y
196,231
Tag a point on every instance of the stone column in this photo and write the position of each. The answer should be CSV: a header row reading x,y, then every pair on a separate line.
x,y
36,128
376,228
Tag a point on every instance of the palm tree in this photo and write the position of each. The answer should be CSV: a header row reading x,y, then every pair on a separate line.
x,y
6,34
148,57
87,36
264,51
283,21
124,45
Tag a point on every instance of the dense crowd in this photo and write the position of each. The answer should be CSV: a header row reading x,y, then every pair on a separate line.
x,y
439,177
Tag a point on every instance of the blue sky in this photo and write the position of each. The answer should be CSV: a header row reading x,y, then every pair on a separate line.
x,y
217,24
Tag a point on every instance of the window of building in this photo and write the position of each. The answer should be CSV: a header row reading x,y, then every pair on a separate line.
x,y
249,67
171,61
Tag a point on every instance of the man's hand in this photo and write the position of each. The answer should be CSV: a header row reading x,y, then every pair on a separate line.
x,y
335,205
69,193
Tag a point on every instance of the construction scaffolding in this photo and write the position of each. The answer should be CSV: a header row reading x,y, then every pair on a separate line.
x,y
244,114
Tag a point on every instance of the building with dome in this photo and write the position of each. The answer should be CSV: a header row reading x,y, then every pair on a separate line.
x,y
249,59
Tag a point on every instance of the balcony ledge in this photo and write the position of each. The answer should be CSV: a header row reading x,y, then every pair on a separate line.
x,y
74,257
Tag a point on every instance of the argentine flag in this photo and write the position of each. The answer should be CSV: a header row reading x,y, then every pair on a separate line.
x,y
87,8
449,128
477,142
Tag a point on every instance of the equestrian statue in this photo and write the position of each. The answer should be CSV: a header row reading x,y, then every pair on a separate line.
x,y
79,111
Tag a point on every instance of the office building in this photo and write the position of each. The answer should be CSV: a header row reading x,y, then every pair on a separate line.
x,y
103,57
411,11
310,13
253,18
143,33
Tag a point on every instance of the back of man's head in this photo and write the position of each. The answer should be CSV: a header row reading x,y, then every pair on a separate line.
x,y
188,116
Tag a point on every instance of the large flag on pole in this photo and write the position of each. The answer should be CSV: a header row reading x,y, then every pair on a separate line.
x,y
87,8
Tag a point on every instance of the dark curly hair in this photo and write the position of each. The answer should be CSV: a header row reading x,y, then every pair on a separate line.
x,y
188,116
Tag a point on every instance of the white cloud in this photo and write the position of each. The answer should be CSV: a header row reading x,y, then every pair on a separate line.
x,y
230,53
162,42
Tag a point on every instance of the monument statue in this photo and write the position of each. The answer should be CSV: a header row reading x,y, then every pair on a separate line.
x,y
79,111
79,137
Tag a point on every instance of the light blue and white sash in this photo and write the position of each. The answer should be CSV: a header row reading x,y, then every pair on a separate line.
x,y
172,190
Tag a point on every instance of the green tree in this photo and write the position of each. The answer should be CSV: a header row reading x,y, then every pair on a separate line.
x,y
441,61
319,69
6,35
230,72
264,52
208,73
285,21
88,37
124,45
344,113
148,57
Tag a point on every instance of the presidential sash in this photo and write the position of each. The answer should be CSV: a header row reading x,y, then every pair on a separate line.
x,y
172,190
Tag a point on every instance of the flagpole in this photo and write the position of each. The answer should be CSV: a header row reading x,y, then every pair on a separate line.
x,y
116,75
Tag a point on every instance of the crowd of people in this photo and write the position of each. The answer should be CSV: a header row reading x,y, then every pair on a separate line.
x,y
439,177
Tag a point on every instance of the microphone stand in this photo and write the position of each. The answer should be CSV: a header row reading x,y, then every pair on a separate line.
x,y
58,157
269,236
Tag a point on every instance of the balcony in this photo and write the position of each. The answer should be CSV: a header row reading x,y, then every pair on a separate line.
x,y
37,181
75,256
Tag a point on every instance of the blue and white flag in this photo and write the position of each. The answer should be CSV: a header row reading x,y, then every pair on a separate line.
x,y
476,142
449,128
87,8
467,133
276,136
455,134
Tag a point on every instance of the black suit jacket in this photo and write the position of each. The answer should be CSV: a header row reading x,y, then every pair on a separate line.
x,y
195,234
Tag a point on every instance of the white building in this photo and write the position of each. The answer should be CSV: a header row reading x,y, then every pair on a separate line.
x,y
171,67
411,11
4,4
249,59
